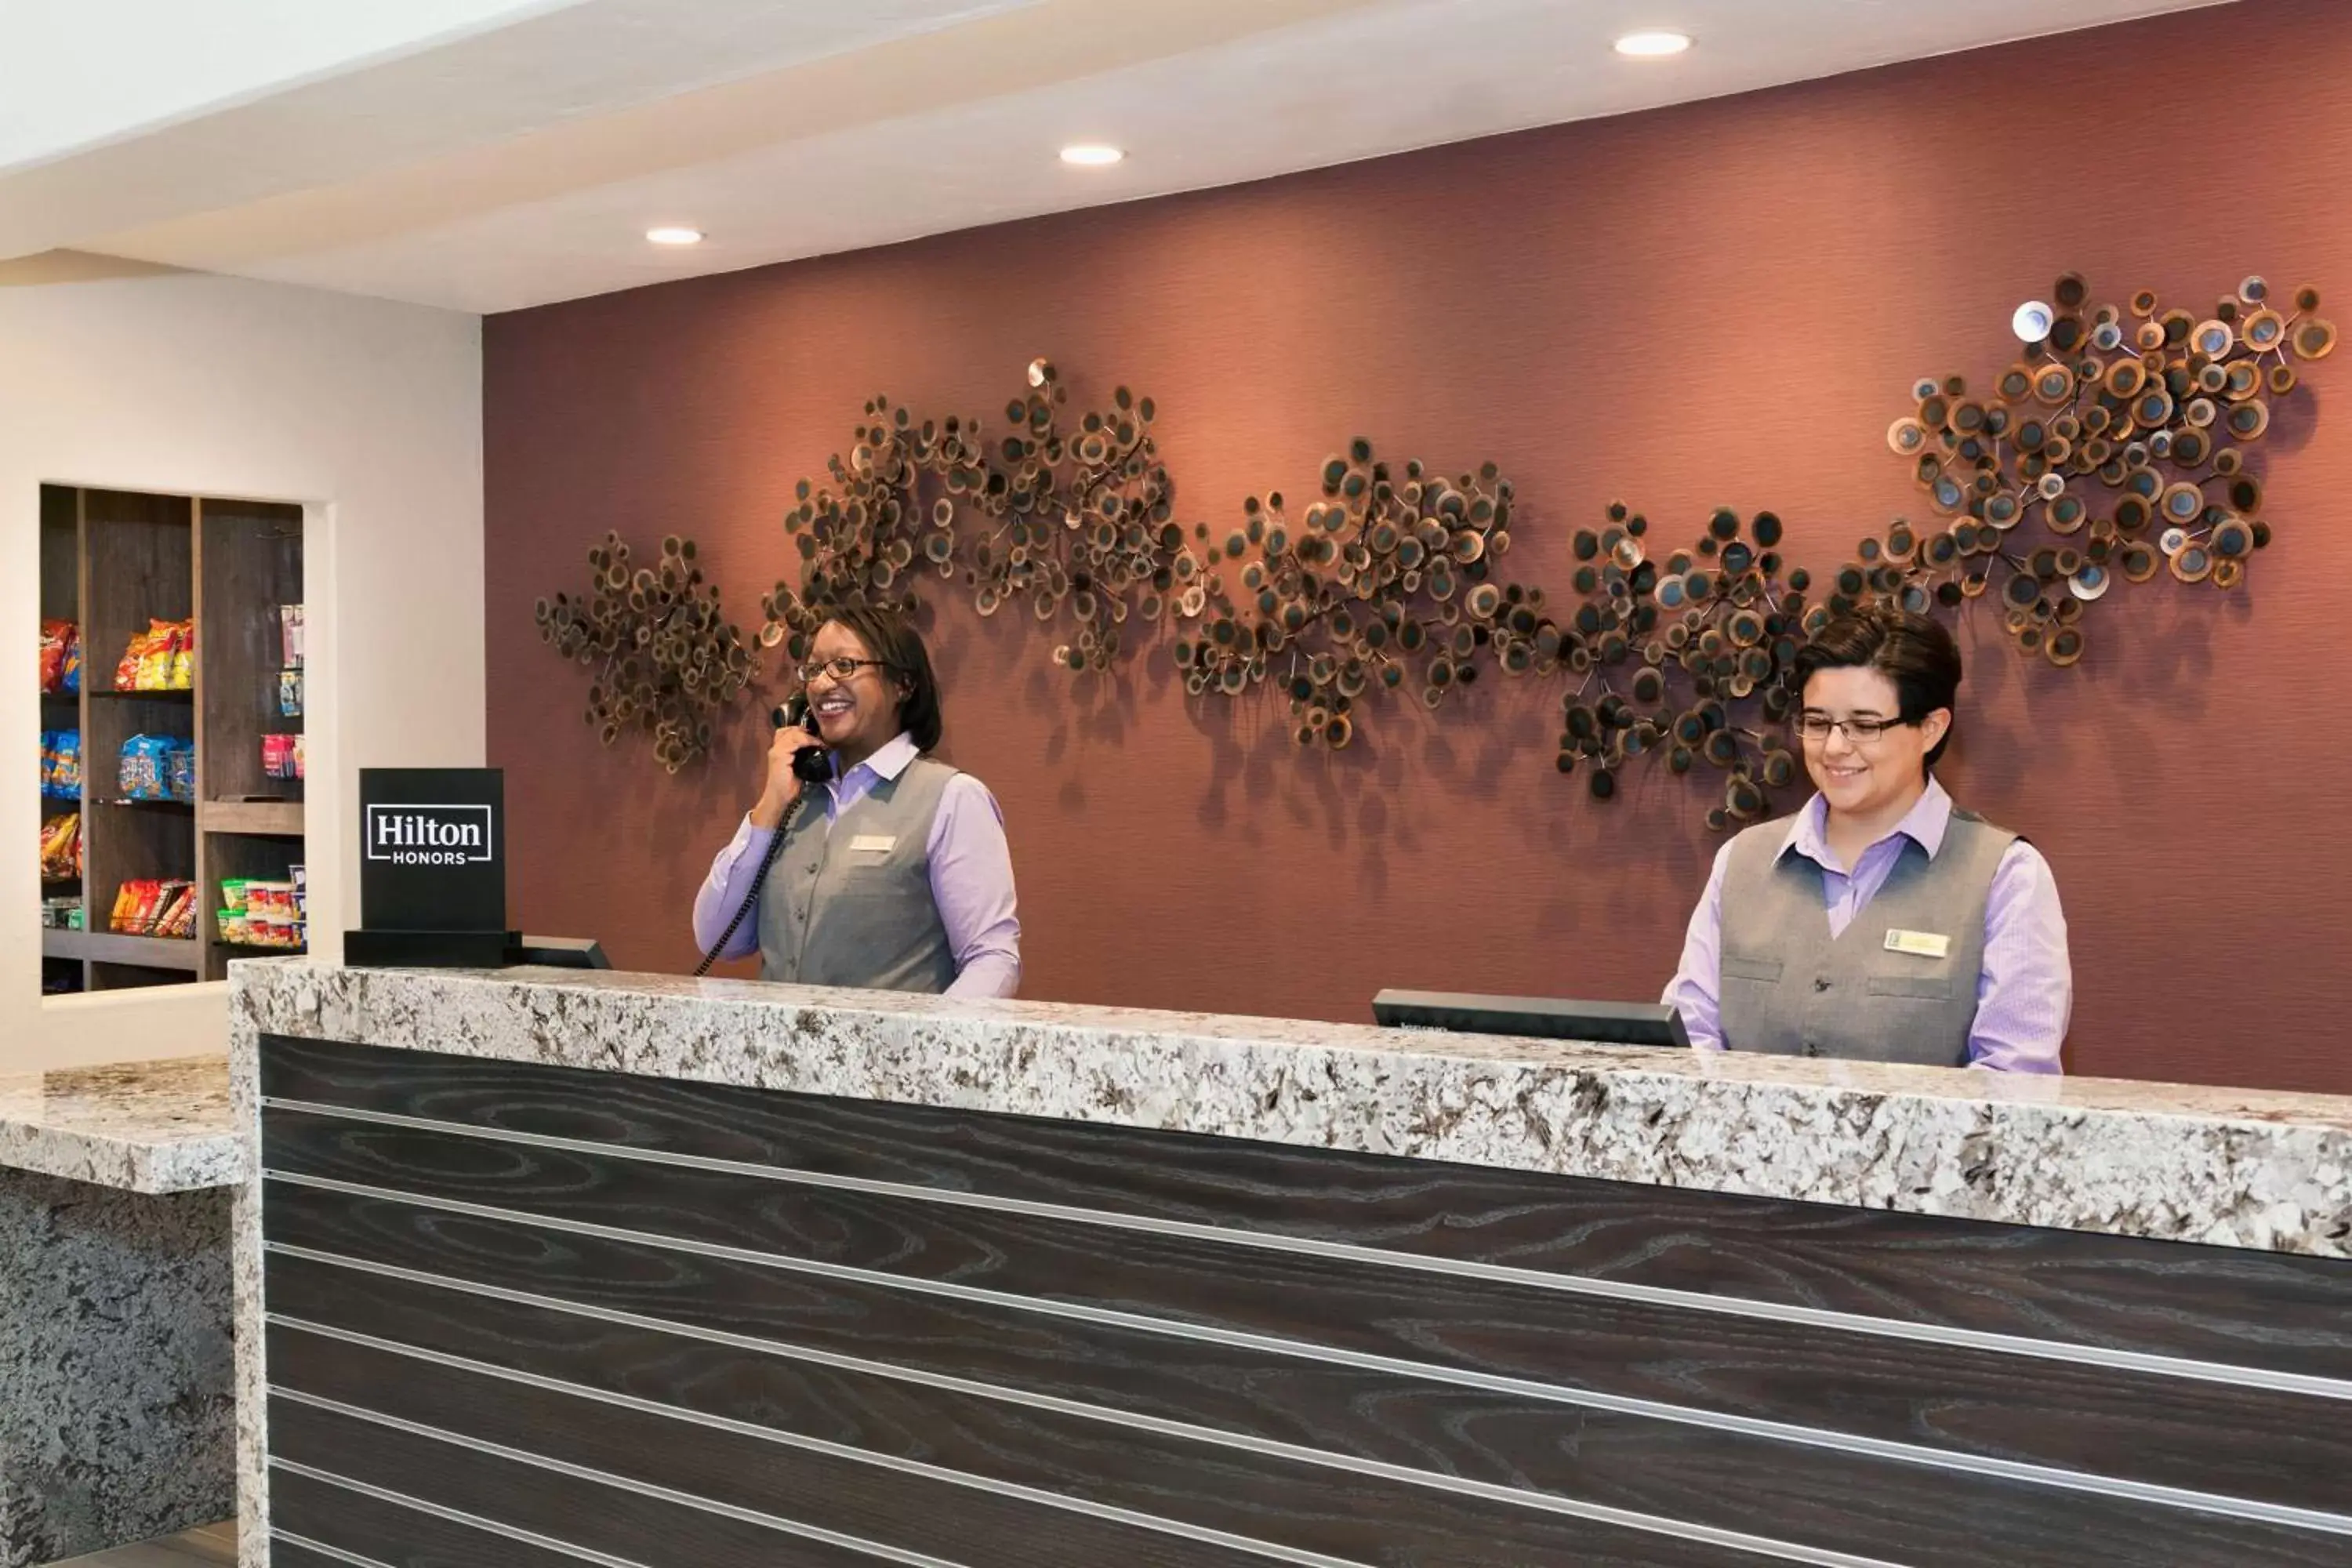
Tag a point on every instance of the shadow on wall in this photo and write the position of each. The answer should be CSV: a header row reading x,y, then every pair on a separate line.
x,y
51,268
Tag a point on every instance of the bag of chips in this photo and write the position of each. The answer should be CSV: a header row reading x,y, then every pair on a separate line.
x,y
175,909
139,773
61,763
135,654
128,899
183,641
53,655
61,847
155,658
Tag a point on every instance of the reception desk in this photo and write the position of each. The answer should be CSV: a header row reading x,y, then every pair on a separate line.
x,y
539,1268
115,1367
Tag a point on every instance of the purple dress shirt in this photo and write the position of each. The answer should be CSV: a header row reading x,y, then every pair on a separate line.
x,y
970,866
2026,992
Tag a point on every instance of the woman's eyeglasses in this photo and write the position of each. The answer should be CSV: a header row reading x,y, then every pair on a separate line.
x,y
840,668
1817,728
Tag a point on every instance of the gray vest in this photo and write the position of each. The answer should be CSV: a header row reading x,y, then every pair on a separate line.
x,y
1789,989
841,907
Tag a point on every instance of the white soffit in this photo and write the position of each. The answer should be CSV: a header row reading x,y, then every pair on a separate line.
x,y
522,164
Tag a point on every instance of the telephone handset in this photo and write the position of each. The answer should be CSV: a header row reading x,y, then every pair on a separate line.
x,y
811,765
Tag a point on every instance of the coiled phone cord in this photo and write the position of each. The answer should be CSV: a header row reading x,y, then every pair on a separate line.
x,y
767,863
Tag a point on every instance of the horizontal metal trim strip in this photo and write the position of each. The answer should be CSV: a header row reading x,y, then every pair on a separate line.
x,y
288,1538
1573,1284
1545,1502
2171,1497
1128,1516
445,1513
620,1483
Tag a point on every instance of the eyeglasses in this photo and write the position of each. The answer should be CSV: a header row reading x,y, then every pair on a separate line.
x,y
1817,728
840,668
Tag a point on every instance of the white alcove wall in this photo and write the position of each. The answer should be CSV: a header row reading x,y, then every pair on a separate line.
x,y
369,413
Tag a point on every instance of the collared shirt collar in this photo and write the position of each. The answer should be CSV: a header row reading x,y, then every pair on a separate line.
x,y
889,761
1924,825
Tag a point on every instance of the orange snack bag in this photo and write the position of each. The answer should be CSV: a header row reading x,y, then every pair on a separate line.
x,y
126,671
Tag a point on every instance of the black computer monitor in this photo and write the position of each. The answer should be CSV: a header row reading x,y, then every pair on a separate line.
x,y
1604,1022
558,952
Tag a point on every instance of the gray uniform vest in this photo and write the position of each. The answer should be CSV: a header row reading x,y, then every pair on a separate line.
x,y
838,909
1790,989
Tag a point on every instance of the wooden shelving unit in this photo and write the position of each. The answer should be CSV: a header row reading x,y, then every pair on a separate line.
x,y
108,947
60,551
112,561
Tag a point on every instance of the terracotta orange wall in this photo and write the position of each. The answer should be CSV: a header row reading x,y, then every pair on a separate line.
x,y
1718,303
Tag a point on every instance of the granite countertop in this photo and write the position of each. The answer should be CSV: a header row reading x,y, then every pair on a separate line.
x,y
146,1127
2226,1167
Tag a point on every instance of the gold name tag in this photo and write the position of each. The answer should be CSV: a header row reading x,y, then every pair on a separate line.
x,y
873,844
1919,943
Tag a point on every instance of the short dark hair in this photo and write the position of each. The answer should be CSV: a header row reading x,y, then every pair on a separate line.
x,y
1910,649
891,638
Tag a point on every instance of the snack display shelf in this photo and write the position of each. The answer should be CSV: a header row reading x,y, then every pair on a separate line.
x,y
111,947
207,589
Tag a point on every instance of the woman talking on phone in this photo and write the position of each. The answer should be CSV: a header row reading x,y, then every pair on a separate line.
x,y
892,873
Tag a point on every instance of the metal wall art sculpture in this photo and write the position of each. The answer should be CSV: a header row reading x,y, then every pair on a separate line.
x,y
2113,447
1077,523
666,659
2120,438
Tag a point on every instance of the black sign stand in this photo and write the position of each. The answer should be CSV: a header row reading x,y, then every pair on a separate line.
x,y
433,870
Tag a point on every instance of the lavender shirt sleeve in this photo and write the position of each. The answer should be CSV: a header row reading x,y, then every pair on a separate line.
x,y
1694,991
723,891
972,883
2025,995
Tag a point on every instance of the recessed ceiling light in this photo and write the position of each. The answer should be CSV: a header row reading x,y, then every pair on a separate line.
x,y
674,235
1091,156
1652,46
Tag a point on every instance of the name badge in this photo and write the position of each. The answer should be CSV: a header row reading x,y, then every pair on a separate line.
x,y
1919,943
873,844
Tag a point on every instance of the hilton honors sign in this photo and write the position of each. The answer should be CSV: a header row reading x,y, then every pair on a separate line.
x,y
428,835
431,862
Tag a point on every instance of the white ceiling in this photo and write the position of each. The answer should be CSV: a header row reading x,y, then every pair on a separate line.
x,y
504,154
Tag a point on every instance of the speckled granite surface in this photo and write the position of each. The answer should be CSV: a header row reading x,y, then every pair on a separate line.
x,y
145,1127
2216,1166
115,1392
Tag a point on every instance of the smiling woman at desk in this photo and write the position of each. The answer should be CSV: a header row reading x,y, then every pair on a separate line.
x,y
1881,922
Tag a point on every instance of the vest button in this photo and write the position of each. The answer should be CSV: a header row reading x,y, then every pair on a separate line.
x,y
811,866
1820,983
